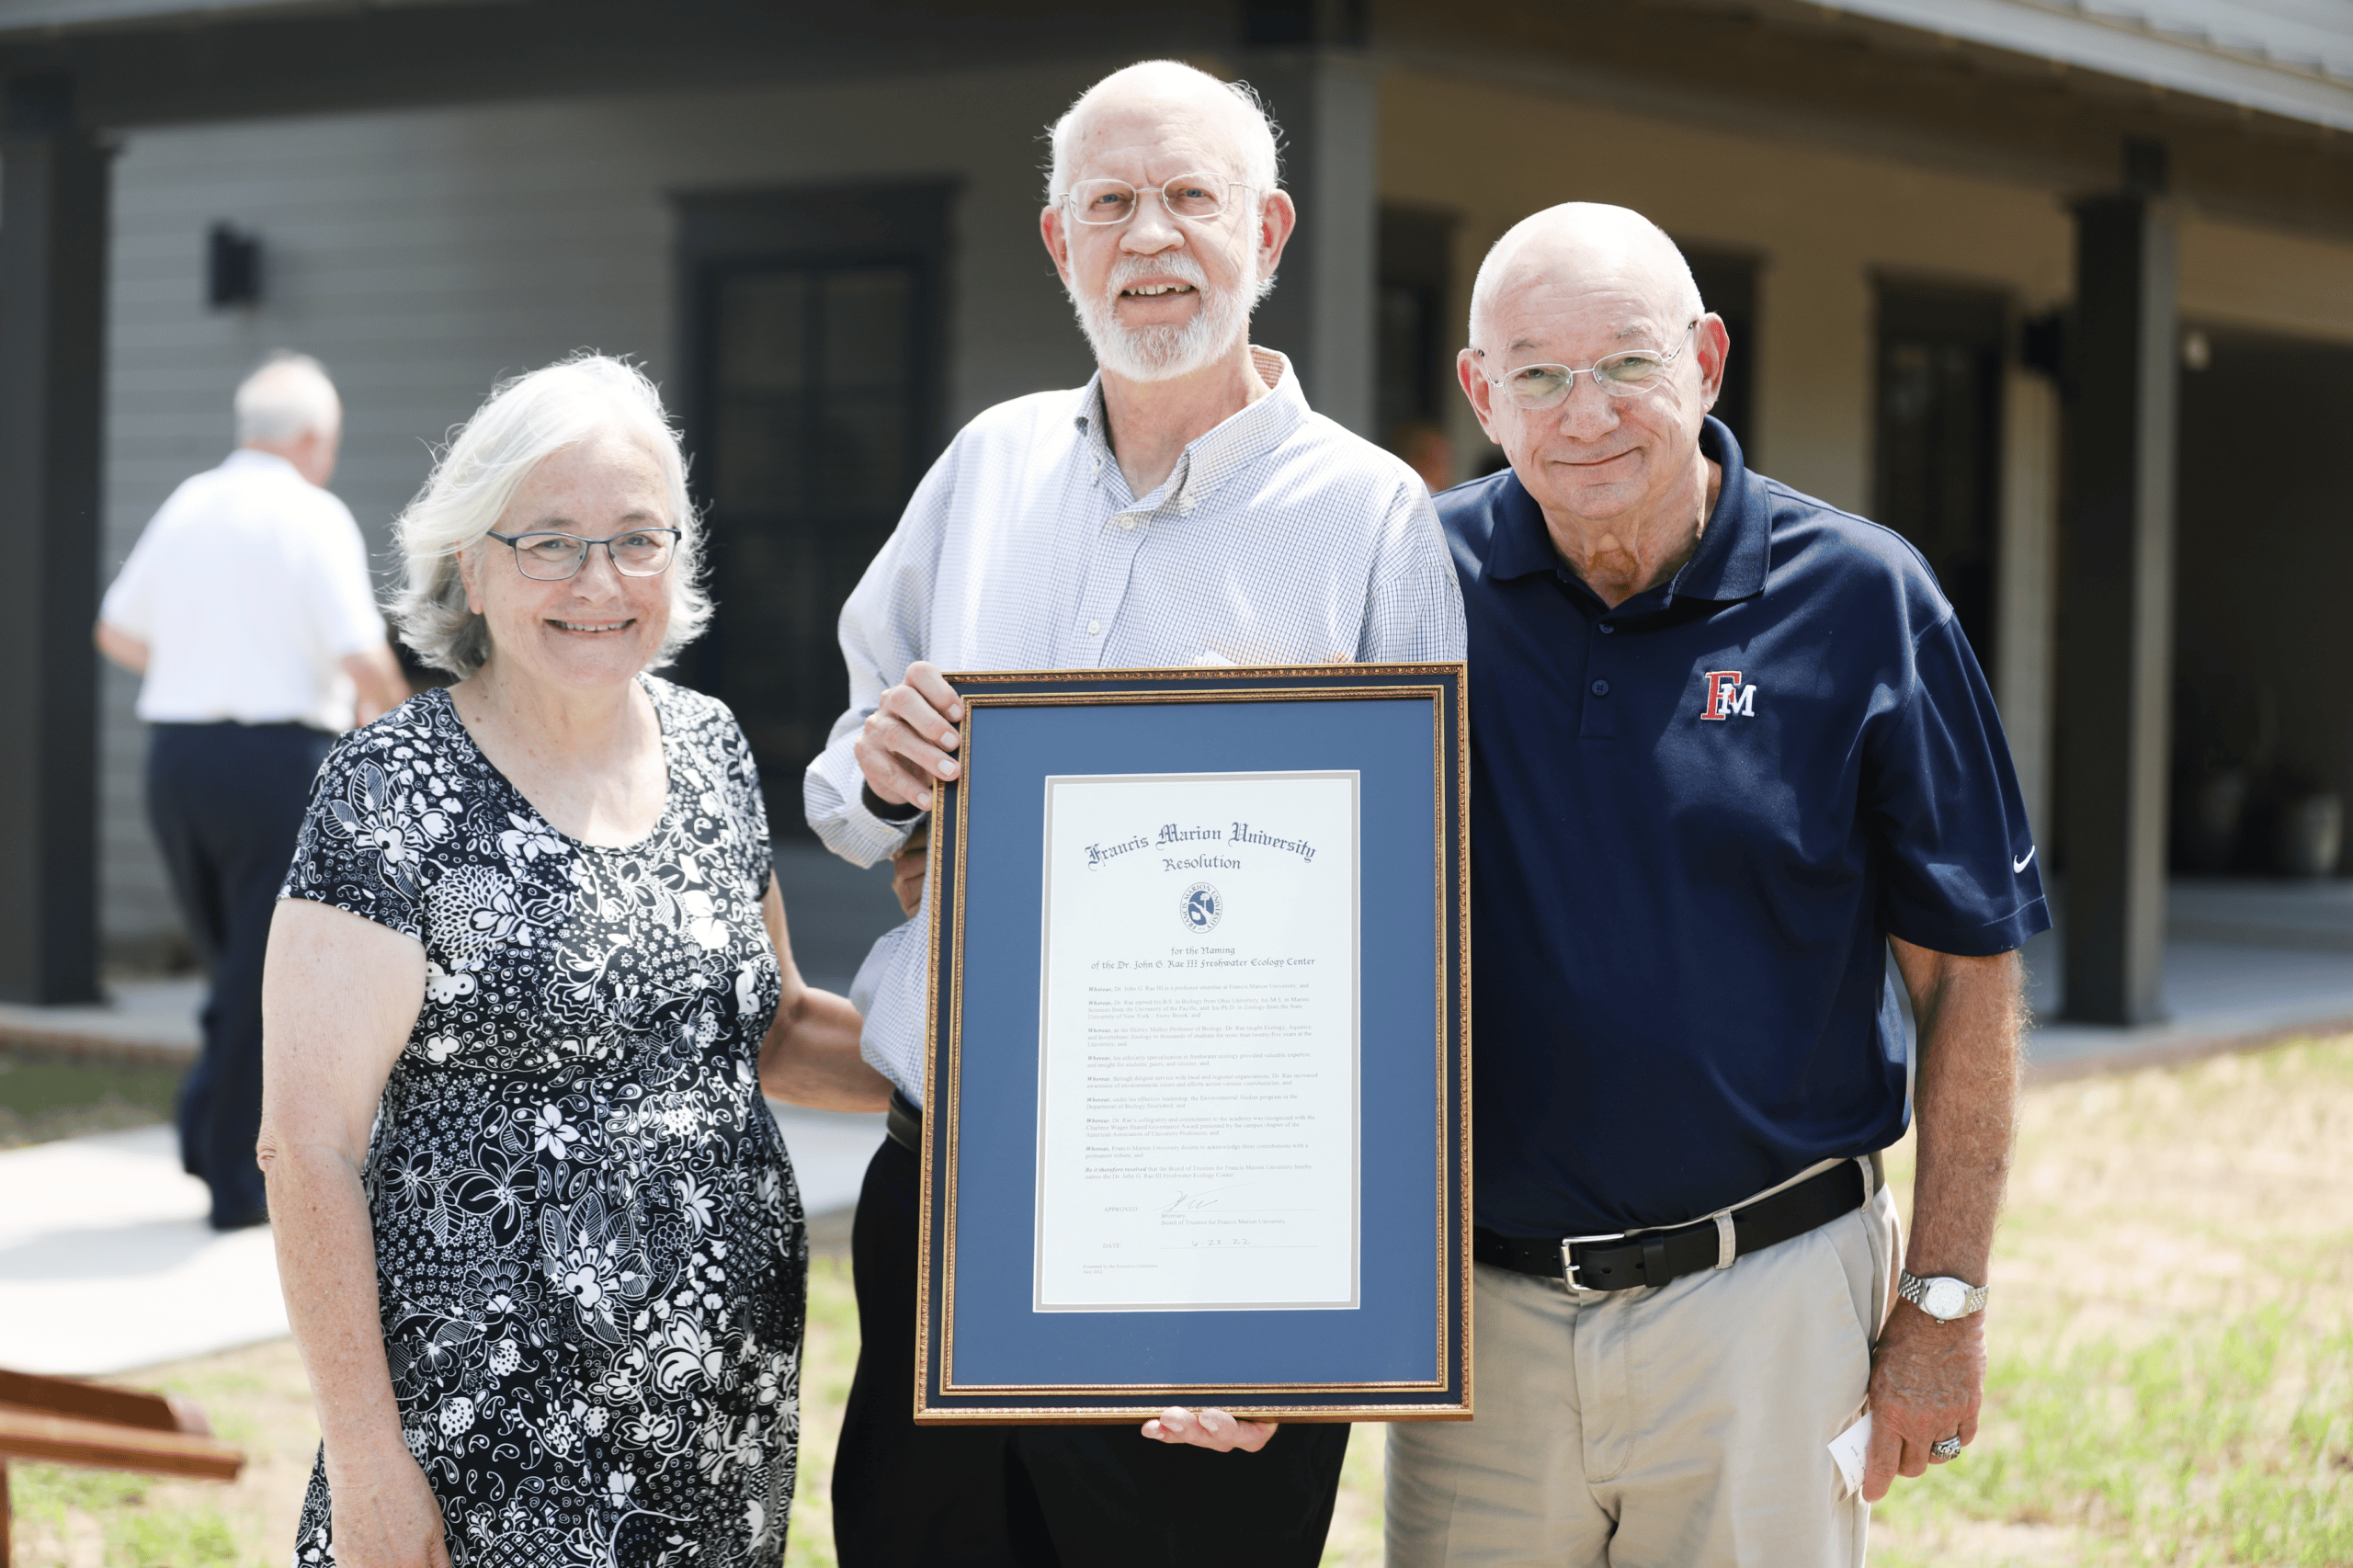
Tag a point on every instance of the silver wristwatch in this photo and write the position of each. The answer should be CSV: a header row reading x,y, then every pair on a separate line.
x,y
1943,1298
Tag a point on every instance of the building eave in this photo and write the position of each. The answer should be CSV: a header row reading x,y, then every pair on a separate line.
x,y
2243,55
55,19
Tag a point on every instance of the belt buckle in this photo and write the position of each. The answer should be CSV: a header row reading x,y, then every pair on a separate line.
x,y
1569,1261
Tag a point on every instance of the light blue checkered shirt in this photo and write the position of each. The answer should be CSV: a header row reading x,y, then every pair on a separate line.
x,y
1278,539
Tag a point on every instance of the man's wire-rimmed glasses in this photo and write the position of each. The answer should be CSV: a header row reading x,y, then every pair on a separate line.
x,y
548,557
1101,202
1622,374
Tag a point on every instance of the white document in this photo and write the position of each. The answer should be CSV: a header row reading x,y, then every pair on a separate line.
x,y
1850,1449
1198,1043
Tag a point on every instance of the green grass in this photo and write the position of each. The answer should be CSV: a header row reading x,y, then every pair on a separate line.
x,y
256,1398
45,1096
828,1357
2172,1377
119,1513
2225,1446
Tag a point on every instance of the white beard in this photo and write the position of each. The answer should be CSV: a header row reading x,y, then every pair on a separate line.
x,y
1162,353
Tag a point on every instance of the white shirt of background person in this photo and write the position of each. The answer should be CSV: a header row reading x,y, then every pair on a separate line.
x,y
247,598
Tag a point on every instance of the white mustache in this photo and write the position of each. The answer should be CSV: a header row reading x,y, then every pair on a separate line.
x,y
1134,268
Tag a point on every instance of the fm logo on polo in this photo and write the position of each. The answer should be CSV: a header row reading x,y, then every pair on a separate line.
x,y
1727,695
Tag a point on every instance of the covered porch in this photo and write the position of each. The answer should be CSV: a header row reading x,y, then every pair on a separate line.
x,y
1960,248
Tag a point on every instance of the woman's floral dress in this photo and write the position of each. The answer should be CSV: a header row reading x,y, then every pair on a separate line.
x,y
589,1251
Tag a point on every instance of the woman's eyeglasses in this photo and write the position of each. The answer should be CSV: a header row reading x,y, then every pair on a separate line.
x,y
551,557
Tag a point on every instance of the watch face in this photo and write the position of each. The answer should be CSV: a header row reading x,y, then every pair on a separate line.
x,y
1945,1299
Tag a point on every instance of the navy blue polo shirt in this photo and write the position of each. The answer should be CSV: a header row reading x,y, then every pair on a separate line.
x,y
1696,818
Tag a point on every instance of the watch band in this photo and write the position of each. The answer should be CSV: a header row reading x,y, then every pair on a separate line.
x,y
1915,1290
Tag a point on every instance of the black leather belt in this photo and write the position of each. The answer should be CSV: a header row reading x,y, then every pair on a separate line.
x,y
903,1122
1623,1261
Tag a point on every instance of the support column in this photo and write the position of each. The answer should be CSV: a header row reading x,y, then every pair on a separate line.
x,y
53,321
2026,597
1321,313
2115,608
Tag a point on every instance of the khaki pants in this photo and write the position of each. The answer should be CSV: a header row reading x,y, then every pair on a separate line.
x,y
1669,1428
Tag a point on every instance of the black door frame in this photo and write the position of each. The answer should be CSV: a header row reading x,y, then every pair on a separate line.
x,y
1981,318
832,224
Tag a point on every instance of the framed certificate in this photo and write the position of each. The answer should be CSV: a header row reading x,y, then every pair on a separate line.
x,y
1198,1125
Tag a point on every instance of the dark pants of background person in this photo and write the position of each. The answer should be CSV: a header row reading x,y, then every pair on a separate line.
x,y
1042,1496
226,801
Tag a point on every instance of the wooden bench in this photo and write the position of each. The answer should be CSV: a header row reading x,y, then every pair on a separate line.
x,y
63,1421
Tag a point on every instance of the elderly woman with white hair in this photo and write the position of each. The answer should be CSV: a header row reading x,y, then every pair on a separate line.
x,y
528,981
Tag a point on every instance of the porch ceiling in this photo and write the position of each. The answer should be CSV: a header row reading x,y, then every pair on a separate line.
x,y
2045,97
177,60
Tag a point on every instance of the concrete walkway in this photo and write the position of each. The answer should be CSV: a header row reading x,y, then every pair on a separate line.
x,y
107,1264
2246,961
149,1020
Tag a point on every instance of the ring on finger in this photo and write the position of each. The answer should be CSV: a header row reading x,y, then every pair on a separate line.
x,y
1945,1449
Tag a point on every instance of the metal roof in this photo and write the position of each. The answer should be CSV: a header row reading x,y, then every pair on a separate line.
x,y
77,16
2293,58
60,16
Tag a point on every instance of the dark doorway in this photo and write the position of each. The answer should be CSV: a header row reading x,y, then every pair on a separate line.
x,y
2262,725
1728,286
1939,441
815,338
1414,350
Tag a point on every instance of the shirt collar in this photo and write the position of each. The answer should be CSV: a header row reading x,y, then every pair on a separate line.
x,y
253,457
1216,456
1728,566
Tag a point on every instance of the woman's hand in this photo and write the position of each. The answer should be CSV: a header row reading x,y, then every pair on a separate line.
x,y
385,1513
811,1054
909,866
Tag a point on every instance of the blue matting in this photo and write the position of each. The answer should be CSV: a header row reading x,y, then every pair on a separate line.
x,y
1393,1335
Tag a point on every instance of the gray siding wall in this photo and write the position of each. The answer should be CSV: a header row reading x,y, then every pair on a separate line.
x,y
424,254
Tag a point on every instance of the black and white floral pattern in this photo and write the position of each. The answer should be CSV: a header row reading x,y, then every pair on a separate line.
x,y
589,1250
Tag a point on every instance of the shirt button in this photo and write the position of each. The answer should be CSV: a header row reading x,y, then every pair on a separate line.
x,y
1127,525
1601,688
1094,629
1607,626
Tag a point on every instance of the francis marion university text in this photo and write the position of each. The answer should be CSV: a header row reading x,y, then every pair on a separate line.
x,y
1198,1043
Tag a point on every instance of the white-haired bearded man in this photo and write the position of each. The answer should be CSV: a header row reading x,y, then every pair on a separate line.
x,y
248,607
1184,508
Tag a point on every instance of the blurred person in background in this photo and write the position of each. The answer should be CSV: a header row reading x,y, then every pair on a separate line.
x,y
247,606
541,1248
1428,451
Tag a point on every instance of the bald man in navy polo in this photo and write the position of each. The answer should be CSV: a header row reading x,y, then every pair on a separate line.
x,y
1730,749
